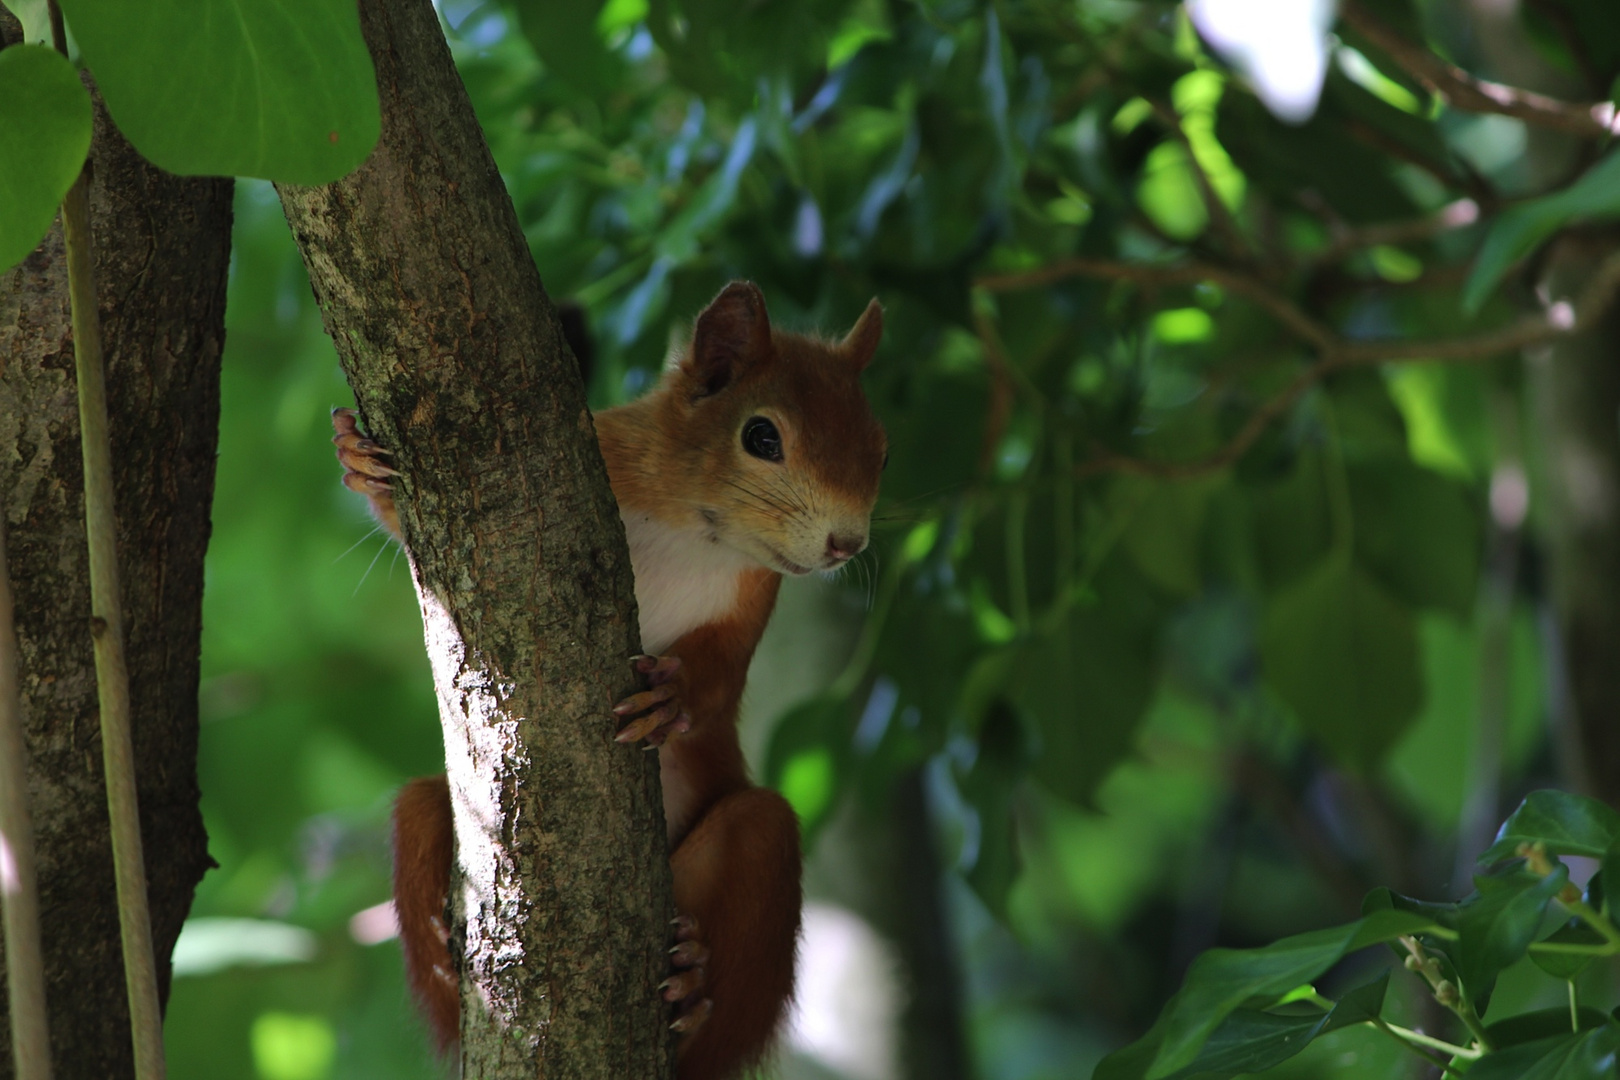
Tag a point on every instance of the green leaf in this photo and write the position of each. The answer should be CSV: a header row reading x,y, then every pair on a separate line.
x,y
1519,231
1250,1041
1359,1006
564,36
1496,925
1584,1055
1418,533
1166,528
282,90
1567,824
1542,1024
1567,965
808,757
44,136
1344,654
1087,682
1223,980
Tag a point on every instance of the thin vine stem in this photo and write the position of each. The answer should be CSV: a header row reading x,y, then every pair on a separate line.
x,y
107,633
1415,1041
25,961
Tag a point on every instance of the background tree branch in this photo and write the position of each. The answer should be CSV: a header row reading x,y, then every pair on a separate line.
x,y
1560,319
1462,90
432,298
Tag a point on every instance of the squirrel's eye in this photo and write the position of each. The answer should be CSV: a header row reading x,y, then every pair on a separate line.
x,y
885,465
760,438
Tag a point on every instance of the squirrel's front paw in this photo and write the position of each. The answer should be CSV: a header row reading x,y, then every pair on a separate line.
x,y
686,986
365,470
657,711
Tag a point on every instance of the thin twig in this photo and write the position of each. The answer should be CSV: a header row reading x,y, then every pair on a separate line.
x,y
1462,90
1237,282
25,963
1335,354
1459,174
107,632
1345,239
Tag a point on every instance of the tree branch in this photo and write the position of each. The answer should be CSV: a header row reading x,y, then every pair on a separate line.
x,y
1345,239
1334,353
562,900
1462,90
1234,281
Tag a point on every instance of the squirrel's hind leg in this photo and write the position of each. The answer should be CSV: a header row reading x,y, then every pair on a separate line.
x,y
737,874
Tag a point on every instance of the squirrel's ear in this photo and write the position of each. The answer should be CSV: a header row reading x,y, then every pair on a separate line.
x,y
731,334
862,340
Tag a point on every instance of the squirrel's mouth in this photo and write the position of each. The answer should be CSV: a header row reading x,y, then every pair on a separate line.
x,y
788,566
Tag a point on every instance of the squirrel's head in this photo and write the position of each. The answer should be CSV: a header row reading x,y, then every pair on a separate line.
x,y
776,436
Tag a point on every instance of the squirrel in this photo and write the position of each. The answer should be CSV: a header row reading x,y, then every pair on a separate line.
x,y
757,455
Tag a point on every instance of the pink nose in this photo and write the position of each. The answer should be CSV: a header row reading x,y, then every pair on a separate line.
x,y
843,548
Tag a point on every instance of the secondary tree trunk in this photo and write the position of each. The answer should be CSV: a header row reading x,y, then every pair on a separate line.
x,y
162,250
429,292
1576,386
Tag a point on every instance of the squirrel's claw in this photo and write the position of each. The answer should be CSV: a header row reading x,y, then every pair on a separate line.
x,y
660,707
692,1018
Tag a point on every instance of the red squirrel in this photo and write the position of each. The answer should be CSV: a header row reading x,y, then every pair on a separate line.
x,y
756,456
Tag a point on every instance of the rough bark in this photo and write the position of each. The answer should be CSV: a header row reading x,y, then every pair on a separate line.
x,y
1576,387
429,292
162,249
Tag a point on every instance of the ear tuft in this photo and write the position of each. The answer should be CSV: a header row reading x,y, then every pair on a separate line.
x,y
862,340
732,333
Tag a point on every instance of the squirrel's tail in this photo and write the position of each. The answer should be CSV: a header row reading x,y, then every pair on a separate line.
x,y
424,839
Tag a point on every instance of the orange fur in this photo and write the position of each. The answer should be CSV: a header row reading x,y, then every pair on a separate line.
x,y
711,530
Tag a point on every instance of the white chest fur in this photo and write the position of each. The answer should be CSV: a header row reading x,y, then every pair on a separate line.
x,y
683,579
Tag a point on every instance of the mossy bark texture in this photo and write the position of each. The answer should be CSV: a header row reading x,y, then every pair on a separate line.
x,y
162,251
424,278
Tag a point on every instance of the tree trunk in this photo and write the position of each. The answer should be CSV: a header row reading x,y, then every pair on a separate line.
x,y
562,903
162,251
1576,386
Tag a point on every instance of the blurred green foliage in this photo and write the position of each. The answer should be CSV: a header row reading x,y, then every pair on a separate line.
x,y
1164,696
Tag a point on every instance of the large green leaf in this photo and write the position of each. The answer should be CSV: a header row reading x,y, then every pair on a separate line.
x,y
1250,1040
1567,965
1344,654
1594,197
1418,533
563,33
1223,980
1165,533
280,89
1496,925
808,758
44,136
1567,824
1087,680
1543,1024
1582,1055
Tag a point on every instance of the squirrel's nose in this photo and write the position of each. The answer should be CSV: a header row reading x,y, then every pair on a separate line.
x,y
843,548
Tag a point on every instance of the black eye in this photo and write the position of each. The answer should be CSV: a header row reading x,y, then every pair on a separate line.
x,y
760,438
884,467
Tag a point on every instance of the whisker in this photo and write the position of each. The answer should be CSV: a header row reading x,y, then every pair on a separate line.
x,y
367,574
375,529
